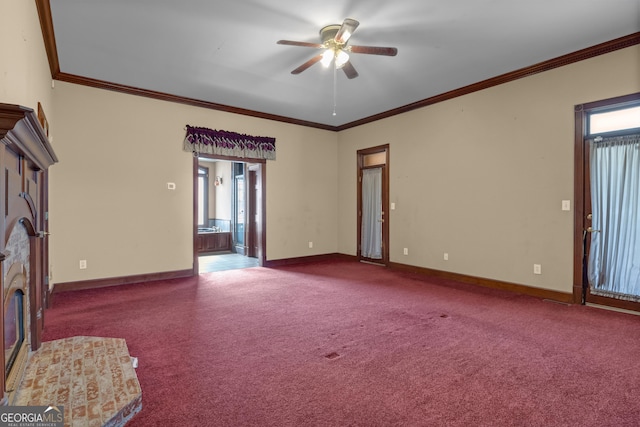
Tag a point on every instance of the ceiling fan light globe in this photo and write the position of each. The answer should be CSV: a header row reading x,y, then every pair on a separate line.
x,y
342,58
327,56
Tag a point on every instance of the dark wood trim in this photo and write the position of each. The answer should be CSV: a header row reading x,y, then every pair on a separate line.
x,y
361,154
583,202
613,302
456,277
308,259
10,115
36,309
561,61
46,23
262,251
48,35
609,104
262,231
117,281
487,283
196,263
261,208
579,209
100,84
44,226
20,129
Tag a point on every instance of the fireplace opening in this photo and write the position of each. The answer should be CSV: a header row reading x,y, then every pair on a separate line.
x,y
13,329
16,328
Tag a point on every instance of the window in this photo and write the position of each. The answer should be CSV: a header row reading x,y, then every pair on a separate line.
x,y
614,120
239,203
203,196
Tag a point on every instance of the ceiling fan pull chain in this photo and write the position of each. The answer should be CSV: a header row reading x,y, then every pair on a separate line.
x,y
335,89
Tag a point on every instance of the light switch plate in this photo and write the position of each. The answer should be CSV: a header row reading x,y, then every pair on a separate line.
x,y
566,205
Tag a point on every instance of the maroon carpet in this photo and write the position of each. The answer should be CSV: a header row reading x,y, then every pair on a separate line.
x,y
344,343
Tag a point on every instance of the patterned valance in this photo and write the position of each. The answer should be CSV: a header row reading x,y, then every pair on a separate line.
x,y
223,143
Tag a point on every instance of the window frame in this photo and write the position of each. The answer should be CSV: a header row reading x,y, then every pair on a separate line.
x,y
203,172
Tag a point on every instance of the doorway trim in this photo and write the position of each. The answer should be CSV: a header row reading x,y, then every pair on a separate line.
x,y
583,204
262,214
385,200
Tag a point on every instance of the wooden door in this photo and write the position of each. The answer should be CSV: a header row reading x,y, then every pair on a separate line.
x,y
374,159
257,174
584,229
252,214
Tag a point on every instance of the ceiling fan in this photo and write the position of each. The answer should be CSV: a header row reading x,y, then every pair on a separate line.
x,y
334,42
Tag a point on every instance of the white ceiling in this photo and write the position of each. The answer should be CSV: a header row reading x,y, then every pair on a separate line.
x,y
225,51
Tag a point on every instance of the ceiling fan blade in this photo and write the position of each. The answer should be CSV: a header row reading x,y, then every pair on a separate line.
x,y
303,44
307,64
374,50
346,30
349,70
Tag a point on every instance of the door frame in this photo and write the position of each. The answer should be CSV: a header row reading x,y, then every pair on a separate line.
x,y
583,200
254,208
361,154
260,165
235,207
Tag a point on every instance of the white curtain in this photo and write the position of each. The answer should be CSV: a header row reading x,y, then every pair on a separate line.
x,y
614,258
371,245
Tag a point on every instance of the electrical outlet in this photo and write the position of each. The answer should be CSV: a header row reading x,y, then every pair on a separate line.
x,y
537,269
83,264
446,256
310,245
406,251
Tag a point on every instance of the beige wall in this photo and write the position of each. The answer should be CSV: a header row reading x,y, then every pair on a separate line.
x,y
25,78
211,166
219,196
110,206
223,192
482,176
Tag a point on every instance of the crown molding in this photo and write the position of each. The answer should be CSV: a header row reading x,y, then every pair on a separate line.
x,y
46,23
48,34
131,90
561,61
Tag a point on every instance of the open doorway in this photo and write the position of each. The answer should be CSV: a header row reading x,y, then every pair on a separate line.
x,y
228,214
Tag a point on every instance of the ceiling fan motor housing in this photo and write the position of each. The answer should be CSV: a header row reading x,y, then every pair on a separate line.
x,y
328,34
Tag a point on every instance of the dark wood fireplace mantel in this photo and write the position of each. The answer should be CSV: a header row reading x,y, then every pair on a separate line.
x,y
21,129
